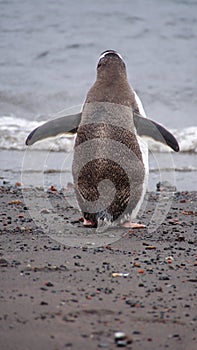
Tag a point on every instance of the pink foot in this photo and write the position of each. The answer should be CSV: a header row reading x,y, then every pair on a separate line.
x,y
129,224
88,222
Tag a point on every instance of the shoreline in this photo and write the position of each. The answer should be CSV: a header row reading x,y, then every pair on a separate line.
x,y
43,168
55,296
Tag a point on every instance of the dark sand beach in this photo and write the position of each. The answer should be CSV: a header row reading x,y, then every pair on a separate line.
x,y
54,296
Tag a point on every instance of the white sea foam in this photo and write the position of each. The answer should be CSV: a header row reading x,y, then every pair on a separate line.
x,y
187,139
14,131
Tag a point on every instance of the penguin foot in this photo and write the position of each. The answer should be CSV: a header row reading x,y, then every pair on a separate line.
x,y
88,223
129,224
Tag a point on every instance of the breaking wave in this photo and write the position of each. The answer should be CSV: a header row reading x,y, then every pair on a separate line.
x,y
14,131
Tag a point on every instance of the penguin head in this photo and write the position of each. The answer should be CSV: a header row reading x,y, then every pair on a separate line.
x,y
111,53
111,64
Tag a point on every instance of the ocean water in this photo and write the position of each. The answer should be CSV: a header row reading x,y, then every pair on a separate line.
x,y
48,56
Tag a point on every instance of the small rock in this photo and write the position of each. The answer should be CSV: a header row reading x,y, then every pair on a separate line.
x,y
15,201
121,339
69,319
120,274
4,263
103,345
49,284
150,247
164,278
68,345
169,259
52,188
119,335
121,343
45,211
18,184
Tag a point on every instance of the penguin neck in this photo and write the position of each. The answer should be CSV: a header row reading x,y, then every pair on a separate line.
x,y
112,77
115,90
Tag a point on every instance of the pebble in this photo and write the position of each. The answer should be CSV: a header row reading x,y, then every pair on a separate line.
x,y
4,263
136,332
103,345
68,345
150,247
45,211
121,343
49,284
120,274
119,335
121,339
164,278
18,184
169,259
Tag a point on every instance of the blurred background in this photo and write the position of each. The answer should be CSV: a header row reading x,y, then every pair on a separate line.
x,y
48,56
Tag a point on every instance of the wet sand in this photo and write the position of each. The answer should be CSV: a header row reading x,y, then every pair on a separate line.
x,y
58,297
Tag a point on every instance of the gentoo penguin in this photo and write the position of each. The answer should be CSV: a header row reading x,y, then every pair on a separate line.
x,y
110,164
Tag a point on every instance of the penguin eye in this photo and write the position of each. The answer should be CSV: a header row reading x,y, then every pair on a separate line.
x,y
99,64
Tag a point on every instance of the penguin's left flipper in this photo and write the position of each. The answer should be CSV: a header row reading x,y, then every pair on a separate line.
x,y
68,124
149,128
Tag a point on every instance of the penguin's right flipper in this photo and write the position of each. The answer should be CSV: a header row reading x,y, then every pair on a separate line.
x,y
149,128
68,124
